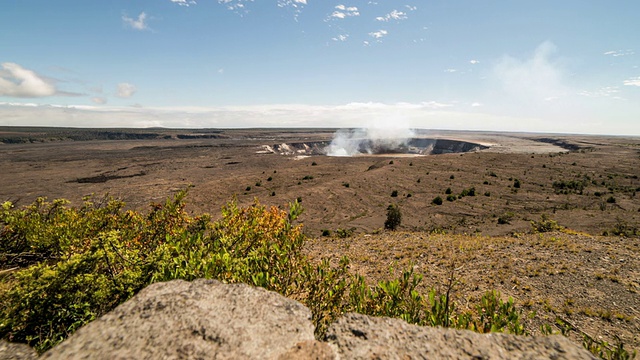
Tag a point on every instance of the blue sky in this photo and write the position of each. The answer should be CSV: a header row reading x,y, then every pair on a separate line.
x,y
547,66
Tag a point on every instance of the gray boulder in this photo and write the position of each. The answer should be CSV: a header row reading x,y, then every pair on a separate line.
x,y
206,319
356,336
15,351
203,319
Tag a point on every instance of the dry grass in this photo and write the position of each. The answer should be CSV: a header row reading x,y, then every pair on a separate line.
x,y
587,280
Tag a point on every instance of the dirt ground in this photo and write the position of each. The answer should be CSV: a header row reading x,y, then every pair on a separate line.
x,y
588,184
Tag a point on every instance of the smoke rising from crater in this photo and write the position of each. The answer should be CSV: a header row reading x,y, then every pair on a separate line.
x,y
373,140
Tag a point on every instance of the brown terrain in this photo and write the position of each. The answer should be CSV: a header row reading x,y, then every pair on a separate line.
x,y
586,272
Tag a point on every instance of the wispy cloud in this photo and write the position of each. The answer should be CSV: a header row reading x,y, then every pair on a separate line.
x,y
607,91
16,81
99,100
450,70
617,53
393,15
341,37
378,34
343,11
138,24
235,5
125,90
186,3
536,78
633,81
296,5
425,115
474,62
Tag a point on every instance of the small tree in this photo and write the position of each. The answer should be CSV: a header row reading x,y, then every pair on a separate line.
x,y
394,217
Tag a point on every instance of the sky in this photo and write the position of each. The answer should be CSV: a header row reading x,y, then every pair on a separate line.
x,y
568,66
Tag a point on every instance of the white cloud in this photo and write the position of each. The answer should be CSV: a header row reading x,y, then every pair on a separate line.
x,y
341,37
536,78
378,34
607,91
426,115
235,4
343,11
450,70
476,104
393,15
99,100
138,24
184,2
617,53
633,81
474,62
16,81
125,90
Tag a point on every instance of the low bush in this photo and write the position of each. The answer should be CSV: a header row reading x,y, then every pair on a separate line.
x,y
394,217
76,264
546,224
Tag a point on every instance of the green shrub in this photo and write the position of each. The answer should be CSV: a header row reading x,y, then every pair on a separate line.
x,y
546,224
437,200
79,263
394,217
505,218
394,193
344,233
611,200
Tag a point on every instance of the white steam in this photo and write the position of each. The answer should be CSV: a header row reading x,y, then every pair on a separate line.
x,y
372,140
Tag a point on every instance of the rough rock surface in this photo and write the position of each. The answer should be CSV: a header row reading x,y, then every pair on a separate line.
x,y
356,336
206,319
203,319
14,351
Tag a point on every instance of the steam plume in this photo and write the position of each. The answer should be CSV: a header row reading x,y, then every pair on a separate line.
x,y
374,140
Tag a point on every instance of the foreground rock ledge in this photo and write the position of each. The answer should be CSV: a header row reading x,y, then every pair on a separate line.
x,y
206,319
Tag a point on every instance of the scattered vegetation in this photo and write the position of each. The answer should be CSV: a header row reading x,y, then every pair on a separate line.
x,y
569,186
72,265
437,200
394,193
546,224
